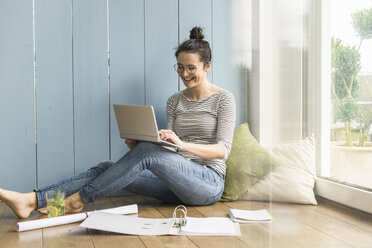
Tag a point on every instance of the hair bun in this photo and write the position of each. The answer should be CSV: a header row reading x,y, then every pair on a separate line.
x,y
197,33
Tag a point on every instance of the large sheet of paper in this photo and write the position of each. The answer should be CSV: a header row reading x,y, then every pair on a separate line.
x,y
67,219
216,226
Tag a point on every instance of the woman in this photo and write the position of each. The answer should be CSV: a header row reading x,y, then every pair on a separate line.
x,y
201,121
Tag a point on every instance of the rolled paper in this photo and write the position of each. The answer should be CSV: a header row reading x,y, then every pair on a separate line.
x,y
72,218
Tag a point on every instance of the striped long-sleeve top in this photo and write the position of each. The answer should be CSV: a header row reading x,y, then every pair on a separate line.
x,y
207,121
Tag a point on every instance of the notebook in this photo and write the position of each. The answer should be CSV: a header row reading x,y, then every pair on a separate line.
x,y
138,122
250,216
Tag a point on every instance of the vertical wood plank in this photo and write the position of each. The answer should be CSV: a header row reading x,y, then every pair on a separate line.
x,y
222,47
17,121
54,90
126,62
91,102
188,19
161,37
226,72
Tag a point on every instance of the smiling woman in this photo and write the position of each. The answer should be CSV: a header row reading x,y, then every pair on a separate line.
x,y
201,121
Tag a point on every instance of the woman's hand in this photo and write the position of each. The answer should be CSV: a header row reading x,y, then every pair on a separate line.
x,y
130,143
170,136
209,151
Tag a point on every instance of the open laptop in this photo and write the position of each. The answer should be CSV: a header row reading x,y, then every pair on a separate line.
x,y
138,122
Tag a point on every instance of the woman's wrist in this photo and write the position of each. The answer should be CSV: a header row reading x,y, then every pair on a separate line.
x,y
184,146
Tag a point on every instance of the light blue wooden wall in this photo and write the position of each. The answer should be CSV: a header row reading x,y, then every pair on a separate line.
x,y
17,114
64,63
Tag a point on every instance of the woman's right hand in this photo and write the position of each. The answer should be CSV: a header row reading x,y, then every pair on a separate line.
x,y
130,143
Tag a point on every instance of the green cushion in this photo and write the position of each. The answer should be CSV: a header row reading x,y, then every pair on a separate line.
x,y
247,163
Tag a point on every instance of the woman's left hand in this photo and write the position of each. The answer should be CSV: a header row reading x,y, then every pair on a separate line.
x,y
170,136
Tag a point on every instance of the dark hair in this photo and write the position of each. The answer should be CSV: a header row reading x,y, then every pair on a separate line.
x,y
197,45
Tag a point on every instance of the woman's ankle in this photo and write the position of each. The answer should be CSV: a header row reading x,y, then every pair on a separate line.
x,y
32,199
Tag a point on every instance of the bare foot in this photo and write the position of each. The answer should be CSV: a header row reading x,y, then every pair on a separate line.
x,y
22,204
74,204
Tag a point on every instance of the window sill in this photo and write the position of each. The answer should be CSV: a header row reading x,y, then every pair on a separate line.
x,y
343,194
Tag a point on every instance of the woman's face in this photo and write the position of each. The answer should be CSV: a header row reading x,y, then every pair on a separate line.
x,y
191,70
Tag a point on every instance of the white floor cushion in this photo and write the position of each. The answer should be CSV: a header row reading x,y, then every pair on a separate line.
x,y
293,178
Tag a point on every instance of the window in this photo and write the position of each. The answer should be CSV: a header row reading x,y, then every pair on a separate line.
x,y
340,98
293,65
351,92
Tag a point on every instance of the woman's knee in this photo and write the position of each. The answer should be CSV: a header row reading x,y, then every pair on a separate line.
x,y
147,152
147,146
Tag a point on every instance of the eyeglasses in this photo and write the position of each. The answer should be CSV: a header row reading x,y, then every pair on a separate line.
x,y
191,69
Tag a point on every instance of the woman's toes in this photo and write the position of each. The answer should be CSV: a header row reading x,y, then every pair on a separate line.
x,y
42,210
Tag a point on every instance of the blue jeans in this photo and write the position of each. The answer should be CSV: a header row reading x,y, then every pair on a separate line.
x,y
147,169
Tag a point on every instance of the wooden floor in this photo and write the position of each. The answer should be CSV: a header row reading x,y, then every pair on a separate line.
x,y
326,225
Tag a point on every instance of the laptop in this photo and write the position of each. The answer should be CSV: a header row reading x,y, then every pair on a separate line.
x,y
138,122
